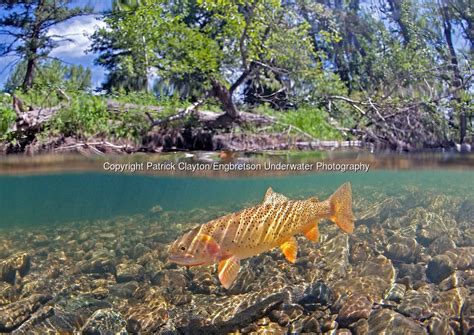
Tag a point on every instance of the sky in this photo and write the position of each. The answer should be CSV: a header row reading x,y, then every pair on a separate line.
x,y
77,29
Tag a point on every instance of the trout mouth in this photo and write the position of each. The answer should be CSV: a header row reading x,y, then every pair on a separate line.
x,y
186,259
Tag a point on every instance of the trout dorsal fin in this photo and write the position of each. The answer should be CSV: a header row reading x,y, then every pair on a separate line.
x,y
273,197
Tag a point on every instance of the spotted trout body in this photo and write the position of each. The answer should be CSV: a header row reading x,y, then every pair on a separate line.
x,y
255,230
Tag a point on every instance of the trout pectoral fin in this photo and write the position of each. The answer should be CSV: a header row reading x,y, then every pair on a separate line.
x,y
290,249
228,270
312,234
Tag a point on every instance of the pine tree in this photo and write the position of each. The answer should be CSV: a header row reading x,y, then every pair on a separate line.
x,y
25,25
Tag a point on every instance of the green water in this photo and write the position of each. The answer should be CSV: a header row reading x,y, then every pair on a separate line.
x,y
56,198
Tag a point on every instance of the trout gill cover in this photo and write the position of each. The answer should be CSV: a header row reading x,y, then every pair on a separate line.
x,y
273,223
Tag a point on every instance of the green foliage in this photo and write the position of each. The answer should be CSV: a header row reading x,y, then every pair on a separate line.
x,y
7,115
27,25
309,119
54,74
88,117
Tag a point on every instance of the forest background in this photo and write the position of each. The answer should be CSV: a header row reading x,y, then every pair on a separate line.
x,y
234,74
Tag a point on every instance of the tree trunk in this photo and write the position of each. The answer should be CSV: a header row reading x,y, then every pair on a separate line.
x,y
30,72
224,95
396,7
454,67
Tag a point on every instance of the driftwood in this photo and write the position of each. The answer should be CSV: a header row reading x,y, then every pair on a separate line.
x,y
401,127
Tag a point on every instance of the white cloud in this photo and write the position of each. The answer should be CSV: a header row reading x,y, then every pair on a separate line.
x,y
79,30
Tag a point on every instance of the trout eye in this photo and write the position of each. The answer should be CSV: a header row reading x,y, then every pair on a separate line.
x,y
182,248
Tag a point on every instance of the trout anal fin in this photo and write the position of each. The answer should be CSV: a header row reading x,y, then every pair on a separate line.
x,y
312,234
290,249
228,270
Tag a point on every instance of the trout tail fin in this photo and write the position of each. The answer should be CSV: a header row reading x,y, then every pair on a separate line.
x,y
341,208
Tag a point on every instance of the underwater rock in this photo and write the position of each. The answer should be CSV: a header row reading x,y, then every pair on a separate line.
x,y
234,311
124,290
439,325
8,293
386,321
129,272
449,303
403,249
373,287
35,321
156,209
265,326
467,316
14,314
361,327
360,252
431,225
139,250
396,292
170,279
311,325
414,272
379,266
101,262
356,307
105,321
372,278
150,314
415,304
20,262
204,280
439,268
441,245
466,211
453,281
317,294
336,253
284,316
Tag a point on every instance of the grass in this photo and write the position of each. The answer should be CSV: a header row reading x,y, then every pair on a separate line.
x,y
86,116
309,119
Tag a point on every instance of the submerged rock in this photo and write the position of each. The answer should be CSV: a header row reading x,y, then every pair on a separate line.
x,y
403,249
439,325
396,292
129,272
105,322
20,263
449,303
150,314
467,316
441,245
8,293
441,266
317,294
466,211
386,321
13,315
356,307
416,304
101,262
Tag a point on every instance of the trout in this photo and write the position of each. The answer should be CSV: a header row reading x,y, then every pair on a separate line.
x,y
249,232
